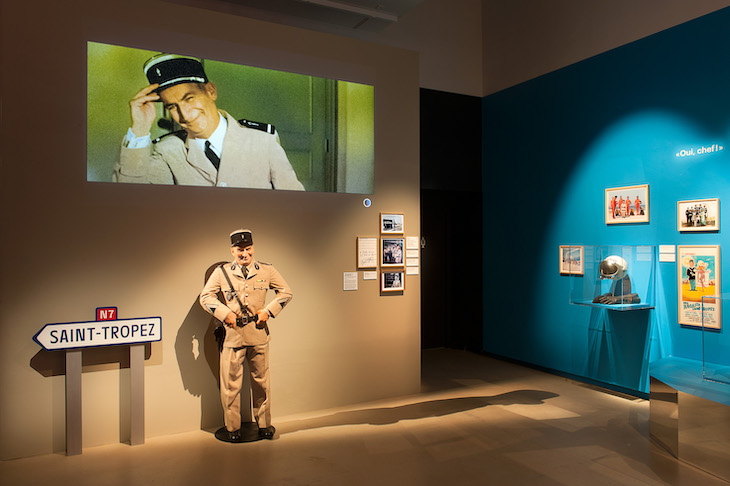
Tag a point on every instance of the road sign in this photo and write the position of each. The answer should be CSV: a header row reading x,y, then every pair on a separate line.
x,y
106,313
73,335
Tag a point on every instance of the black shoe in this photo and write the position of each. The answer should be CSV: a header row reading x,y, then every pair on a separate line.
x,y
267,432
234,436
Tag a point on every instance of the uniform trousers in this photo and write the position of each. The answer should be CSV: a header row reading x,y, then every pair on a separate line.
x,y
231,380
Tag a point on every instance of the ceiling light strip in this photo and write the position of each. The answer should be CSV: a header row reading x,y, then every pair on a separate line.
x,y
378,14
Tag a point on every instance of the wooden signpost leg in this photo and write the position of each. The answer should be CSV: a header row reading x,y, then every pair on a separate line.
x,y
136,395
73,402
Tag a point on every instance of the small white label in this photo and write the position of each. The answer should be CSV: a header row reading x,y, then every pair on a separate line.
x,y
667,257
349,281
412,243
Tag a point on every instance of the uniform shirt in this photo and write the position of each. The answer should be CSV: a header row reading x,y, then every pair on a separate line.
x,y
249,158
251,290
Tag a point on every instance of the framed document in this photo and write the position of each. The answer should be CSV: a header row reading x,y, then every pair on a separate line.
x,y
367,252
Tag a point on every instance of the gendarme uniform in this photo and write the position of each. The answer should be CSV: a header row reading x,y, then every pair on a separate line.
x,y
251,157
249,341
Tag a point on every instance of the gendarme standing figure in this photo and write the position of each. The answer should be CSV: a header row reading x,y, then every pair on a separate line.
x,y
244,283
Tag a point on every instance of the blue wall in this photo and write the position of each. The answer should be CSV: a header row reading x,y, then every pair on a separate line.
x,y
551,147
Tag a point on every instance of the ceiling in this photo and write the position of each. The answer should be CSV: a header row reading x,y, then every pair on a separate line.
x,y
333,16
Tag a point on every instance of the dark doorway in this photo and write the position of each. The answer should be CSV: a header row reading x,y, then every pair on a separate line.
x,y
451,221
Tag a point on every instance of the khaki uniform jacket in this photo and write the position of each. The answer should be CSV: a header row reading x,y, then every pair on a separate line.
x,y
249,158
252,291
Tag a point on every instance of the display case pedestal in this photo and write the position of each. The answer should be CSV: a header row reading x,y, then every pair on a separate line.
x,y
690,417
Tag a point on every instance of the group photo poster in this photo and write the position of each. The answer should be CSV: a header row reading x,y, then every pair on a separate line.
x,y
698,276
698,215
628,204
392,252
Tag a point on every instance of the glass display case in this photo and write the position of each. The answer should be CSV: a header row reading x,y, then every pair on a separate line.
x,y
616,277
715,343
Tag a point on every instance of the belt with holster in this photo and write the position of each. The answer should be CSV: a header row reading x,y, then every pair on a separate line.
x,y
242,321
246,318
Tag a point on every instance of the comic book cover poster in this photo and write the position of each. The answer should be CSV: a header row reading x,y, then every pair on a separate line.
x,y
698,276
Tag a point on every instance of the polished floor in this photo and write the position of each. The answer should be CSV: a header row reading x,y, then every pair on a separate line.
x,y
477,421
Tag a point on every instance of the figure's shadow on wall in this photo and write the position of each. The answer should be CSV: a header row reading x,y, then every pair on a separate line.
x,y
414,411
197,357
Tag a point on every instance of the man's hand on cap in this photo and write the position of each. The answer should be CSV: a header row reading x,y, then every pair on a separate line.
x,y
143,110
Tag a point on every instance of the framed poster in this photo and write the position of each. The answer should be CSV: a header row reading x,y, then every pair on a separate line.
x,y
698,275
392,252
698,215
392,281
571,260
628,204
367,252
392,223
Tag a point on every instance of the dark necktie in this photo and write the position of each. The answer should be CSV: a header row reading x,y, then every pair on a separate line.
x,y
211,155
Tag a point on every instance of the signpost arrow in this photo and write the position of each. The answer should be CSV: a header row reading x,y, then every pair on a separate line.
x,y
106,330
72,335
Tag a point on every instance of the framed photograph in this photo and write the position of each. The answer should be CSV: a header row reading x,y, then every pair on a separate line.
x,y
698,215
392,252
392,223
367,252
629,204
392,281
698,276
571,260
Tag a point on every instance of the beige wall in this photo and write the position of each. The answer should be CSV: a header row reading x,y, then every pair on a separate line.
x,y
524,39
69,246
448,38
478,47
